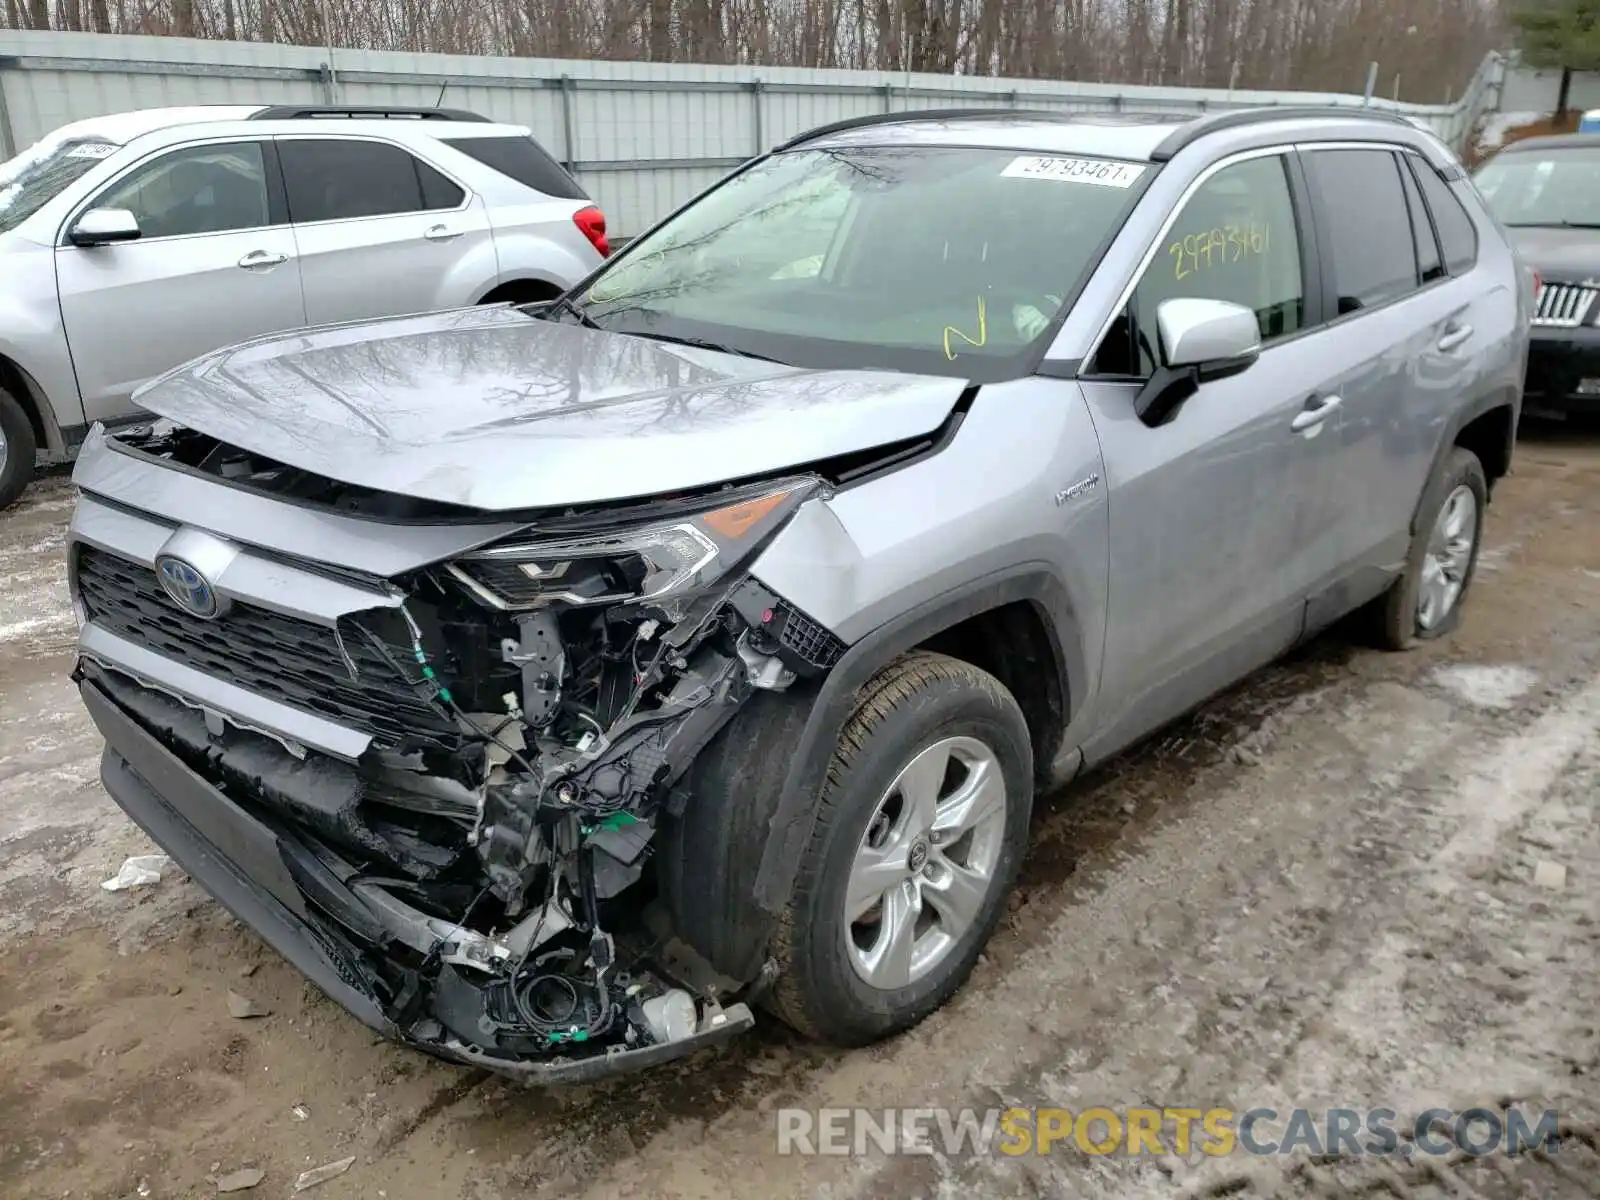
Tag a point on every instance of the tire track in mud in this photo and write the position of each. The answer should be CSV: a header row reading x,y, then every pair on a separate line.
x,y
1422,837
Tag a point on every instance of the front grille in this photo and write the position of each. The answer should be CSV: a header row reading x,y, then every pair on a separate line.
x,y
286,659
1563,305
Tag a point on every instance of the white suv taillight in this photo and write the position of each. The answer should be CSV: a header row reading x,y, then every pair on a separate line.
x,y
593,224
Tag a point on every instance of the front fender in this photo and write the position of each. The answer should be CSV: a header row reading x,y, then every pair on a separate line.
x,y
1012,508
32,337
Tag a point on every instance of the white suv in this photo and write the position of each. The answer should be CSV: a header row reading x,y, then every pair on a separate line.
x,y
132,243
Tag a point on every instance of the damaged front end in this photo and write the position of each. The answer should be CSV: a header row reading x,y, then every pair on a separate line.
x,y
527,711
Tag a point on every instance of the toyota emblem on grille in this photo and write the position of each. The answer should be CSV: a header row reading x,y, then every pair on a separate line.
x,y
189,590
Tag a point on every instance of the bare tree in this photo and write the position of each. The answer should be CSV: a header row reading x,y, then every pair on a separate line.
x,y
1317,45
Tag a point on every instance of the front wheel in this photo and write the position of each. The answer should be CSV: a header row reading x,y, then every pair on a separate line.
x,y
920,829
1425,603
17,449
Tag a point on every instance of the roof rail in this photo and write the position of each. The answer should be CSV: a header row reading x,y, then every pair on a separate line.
x,y
1193,131
922,114
297,112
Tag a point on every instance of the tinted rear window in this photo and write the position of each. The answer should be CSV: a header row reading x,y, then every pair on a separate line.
x,y
335,180
1368,227
524,160
1457,233
1429,264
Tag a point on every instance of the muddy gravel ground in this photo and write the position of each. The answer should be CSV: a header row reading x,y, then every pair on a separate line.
x,y
1317,891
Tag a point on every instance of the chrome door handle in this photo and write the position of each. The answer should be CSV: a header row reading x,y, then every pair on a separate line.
x,y
1454,337
260,258
1312,417
440,233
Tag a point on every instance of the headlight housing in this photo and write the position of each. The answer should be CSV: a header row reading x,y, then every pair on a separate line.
x,y
654,561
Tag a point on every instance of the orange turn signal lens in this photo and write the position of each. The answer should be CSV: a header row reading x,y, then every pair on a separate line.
x,y
733,522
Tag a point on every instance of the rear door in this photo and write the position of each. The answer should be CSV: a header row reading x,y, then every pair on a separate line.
x,y
381,232
1401,328
215,264
1220,518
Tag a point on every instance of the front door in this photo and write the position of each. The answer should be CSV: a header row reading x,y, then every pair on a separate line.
x,y
1221,518
213,265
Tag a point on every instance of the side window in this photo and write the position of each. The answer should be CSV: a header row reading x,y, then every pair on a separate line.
x,y
1457,234
198,189
1235,239
522,159
1429,265
1372,256
333,180
437,191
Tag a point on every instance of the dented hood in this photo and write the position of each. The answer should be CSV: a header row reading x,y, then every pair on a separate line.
x,y
496,410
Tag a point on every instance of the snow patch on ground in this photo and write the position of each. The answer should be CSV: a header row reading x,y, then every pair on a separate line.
x,y
1486,686
32,626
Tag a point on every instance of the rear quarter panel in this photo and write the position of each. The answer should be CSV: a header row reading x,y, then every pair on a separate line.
x,y
539,241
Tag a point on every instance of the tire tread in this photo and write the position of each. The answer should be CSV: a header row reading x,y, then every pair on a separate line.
x,y
894,686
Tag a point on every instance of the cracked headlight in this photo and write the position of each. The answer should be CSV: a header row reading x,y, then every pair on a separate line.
x,y
653,560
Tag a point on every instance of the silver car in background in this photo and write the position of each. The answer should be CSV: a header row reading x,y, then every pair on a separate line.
x,y
554,686
134,242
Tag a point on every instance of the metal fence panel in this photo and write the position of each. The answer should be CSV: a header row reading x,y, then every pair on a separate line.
x,y
642,137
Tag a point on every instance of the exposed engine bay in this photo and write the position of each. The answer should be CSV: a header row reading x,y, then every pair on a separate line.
x,y
484,866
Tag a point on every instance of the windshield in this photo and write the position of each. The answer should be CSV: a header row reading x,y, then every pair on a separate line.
x,y
1544,187
41,173
951,261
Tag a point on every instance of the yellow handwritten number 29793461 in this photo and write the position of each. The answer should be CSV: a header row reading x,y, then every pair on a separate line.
x,y
1207,248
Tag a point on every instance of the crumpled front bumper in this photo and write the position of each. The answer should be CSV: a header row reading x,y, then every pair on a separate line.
x,y
240,861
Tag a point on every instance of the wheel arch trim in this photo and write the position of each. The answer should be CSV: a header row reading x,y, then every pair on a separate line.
x,y
1459,420
1035,583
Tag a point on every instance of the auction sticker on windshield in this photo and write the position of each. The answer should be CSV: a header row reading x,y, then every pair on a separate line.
x,y
1099,171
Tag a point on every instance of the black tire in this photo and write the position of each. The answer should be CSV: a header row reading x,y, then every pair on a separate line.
x,y
17,463
910,705
1396,612
708,857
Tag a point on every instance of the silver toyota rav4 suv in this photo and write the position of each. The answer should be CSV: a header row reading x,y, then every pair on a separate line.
x,y
134,242
555,685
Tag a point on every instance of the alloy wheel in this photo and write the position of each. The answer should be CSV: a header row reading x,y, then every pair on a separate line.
x,y
927,862
1448,557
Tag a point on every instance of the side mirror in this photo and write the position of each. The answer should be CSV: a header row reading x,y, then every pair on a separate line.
x,y
1200,333
103,226
1201,340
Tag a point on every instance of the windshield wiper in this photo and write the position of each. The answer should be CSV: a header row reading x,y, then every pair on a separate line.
x,y
571,306
1553,224
702,344
566,303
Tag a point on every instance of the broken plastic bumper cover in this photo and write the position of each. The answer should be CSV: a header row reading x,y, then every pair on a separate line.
x,y
257,873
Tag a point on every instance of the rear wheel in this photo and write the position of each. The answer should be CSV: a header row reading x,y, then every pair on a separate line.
x,y
522,291
1425,603
17,449
920,829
